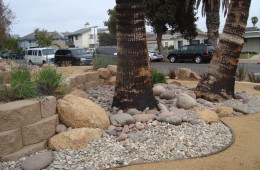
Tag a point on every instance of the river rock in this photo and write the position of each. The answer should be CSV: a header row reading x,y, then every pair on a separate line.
x,y
168,94
158,89
224,111
144,117
122,119
39,161
185,101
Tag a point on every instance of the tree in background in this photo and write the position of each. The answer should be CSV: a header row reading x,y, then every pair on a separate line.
x,y
6,19
254,20
106,39
218,83
174,15
210,9
11,45
44,39
134,81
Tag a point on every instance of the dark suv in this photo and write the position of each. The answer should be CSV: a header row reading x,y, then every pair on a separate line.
x,y
72,56
198,53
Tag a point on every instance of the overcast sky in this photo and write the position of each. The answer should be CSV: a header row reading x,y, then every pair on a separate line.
x,y
67,15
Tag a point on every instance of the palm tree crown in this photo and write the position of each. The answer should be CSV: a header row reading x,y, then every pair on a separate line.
x,y
254,20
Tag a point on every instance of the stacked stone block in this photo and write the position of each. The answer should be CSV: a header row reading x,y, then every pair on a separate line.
x,y
25,126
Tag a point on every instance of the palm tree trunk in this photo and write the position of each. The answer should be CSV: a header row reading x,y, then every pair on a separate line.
x,y
212,22
134,81
218,83
159,42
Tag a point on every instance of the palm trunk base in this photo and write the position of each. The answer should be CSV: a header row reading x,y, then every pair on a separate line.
x,y
135,101
215,90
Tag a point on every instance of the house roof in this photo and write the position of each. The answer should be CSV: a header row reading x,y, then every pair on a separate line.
x,y
252,29
57,35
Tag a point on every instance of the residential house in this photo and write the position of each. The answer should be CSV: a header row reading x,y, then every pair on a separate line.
x,y
175,40
29,41
86,37
252,40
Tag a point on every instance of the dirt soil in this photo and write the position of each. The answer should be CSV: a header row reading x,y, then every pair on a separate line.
x,y
243,154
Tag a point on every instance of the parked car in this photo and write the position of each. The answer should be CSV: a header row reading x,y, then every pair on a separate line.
x,y
198,53
6,55
73,56
155,56
39,55
107,52
18,56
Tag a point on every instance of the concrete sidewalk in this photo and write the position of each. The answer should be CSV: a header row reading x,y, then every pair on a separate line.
x,y
244,153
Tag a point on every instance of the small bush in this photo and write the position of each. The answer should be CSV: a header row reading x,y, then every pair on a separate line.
x,y
47,80
253,78
158,77
21,86
241,72
172,74
102,62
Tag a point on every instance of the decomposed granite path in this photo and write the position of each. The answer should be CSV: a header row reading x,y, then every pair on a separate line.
x,y
243,154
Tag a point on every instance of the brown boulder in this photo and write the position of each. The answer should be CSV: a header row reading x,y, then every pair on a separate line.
x,y
79,93
208,116
184,73
224,111
112,80
77,112
194,76
74,139
112,69
104,73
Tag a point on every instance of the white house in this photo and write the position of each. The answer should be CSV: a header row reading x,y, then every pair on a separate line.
x,y
175,40
252,40
86,37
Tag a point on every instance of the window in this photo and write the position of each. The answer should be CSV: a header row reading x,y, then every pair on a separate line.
x,y
29,52
76,37
195,42
206,41
180,44
184,48
191,48
166,44
91,36
39,53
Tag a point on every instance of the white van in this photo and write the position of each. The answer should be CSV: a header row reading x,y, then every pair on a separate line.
x,y
39,55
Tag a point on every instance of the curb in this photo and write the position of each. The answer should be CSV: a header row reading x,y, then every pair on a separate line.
x,y
202,156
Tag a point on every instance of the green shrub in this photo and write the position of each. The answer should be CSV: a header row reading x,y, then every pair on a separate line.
x,y
47,80
102,62
21,86
241,72
158,77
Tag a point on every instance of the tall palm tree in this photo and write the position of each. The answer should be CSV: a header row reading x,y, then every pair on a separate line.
x,y
210,9
218,83
134,81
254,20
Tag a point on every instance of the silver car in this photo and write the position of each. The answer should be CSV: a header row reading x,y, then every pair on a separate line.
x,y
155,56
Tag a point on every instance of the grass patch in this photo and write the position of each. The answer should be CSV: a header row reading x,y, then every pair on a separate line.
x,y
102,62
245,55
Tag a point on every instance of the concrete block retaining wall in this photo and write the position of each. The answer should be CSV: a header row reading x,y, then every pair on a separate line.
x,y
25,126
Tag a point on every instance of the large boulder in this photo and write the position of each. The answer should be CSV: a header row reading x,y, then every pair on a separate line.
x,y
208,116
112,69
104,73
185,101
77,112
224,111
184,73
74,139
